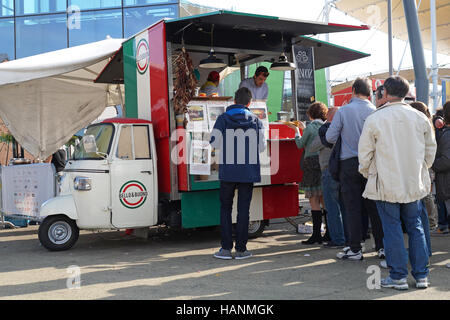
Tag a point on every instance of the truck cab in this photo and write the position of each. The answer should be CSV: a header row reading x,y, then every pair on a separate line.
x,y
111,183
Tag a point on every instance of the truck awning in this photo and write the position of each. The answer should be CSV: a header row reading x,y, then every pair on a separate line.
x,y
256,34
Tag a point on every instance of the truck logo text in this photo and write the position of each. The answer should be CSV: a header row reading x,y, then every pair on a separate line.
x,y
142,56
133,194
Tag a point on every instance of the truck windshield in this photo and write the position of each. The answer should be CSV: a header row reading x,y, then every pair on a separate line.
x,y
103,134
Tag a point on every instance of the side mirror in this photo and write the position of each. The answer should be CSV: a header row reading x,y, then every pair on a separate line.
x,y
89,144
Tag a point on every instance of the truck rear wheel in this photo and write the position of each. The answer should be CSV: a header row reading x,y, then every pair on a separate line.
x,y
256,228
58,233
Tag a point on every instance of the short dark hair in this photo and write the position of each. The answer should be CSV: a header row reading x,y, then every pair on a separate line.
x,y
243,96
447,112
263,70
396,86
362,86
317,110
422,107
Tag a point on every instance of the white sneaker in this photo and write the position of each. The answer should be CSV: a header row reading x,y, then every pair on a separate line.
x,y
381,254
383,264
343,252
448,265
422,283
350,255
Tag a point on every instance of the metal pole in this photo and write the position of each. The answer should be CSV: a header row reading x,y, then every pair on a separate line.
x,y
415,40
389,5
326,15
434,67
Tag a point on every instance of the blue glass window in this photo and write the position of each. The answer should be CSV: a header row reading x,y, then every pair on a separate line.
x,y
95,26
136,19
146,2
25,7
6,39
95,4
6,8
39,34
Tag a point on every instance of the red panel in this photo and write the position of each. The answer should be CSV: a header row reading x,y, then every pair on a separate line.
x,y
285,167
182,156
159,97
125,120
280,201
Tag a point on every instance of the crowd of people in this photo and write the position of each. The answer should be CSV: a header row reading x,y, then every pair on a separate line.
x,y
383,168
387,163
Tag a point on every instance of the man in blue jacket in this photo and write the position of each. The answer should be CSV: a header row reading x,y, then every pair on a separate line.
x,y
239,135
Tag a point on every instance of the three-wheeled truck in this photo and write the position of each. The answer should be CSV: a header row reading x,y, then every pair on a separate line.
x,y
142,170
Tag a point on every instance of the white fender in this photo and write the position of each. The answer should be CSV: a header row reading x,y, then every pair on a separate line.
x,y
59,205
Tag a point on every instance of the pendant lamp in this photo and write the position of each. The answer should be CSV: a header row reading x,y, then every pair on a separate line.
x,y
283,63
212,62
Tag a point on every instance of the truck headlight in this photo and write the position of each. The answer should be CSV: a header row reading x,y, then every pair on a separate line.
x,y
82,183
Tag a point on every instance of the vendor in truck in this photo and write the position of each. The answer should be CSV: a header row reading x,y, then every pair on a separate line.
x,y
211,86
257,84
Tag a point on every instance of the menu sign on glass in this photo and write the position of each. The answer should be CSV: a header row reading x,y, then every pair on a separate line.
x,y
305,91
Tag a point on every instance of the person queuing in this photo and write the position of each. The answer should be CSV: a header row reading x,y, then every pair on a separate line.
x,y
396,149
330,189
311,182
257,84
443,212
348,124
441,167
239,169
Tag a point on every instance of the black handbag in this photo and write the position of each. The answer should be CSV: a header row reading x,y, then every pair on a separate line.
x,y
334,162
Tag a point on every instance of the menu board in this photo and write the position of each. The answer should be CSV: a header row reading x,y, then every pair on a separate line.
x,y
304,78
26,187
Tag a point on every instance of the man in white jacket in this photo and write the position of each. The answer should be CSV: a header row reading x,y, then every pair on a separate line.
x,y
395,150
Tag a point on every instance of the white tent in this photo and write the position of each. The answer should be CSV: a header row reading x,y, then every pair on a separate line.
x,y
45,99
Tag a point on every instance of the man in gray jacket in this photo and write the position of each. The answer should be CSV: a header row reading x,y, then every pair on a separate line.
x,y
348,124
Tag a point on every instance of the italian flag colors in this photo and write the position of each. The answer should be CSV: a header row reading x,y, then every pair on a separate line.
x,y
137,76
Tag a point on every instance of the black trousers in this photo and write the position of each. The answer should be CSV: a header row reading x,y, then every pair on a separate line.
x,y
352,188
245,192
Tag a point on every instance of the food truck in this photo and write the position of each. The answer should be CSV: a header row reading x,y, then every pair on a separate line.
x,y
155,166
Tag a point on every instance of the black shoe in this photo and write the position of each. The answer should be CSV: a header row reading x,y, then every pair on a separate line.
x,y
313,240
332,245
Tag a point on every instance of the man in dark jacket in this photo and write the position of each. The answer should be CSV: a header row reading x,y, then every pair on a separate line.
x,y
239,135
441,167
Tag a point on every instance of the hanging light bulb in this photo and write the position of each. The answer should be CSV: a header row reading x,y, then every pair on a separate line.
x,y
283,63
212,62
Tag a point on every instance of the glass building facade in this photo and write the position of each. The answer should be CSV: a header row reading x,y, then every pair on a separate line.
x,y
29,27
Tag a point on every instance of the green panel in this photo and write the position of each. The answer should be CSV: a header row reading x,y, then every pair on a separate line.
x,y
129,70
200,209
275,83
203,185
321,86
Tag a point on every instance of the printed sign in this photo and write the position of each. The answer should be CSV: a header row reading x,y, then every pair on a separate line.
x,y
142,57
133,194
304,78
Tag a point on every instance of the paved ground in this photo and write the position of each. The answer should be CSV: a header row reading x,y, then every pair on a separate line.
x,y
180,266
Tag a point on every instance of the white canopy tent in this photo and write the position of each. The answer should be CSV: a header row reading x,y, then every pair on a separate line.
x,y
45,99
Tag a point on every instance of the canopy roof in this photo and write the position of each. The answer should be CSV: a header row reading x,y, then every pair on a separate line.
x,y
48,97
408,74
375,12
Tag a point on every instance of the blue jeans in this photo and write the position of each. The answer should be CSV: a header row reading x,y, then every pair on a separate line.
x,y
335,212
425,225
442,215
245,193
396,254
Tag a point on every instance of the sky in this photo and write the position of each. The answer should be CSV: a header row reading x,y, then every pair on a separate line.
x,y
371,41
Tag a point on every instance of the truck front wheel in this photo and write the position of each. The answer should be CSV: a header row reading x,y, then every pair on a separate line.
x,y
57,233
256,228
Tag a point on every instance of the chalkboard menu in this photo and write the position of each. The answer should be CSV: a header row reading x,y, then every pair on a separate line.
x,y
304,79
